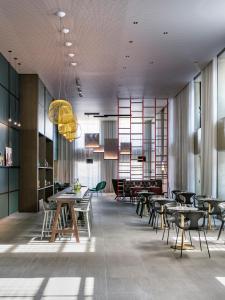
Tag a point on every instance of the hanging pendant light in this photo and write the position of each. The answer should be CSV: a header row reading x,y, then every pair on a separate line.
x,y
60,111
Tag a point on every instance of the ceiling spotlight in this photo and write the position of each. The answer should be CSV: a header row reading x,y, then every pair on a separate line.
x,y
131,42
79,90
71,54
9,119
135,22
151,62
65,30
78,82
124,68
165,32
127,56
60,14
73,64
15,123
80,94
19,125
68,44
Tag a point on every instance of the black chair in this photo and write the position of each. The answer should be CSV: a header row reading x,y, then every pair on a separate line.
x,y
143,199
199,201
169,219
221,206
186,198
174,193
192,221
215,211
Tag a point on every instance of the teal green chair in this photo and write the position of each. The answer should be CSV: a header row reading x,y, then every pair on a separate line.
x,y
99,187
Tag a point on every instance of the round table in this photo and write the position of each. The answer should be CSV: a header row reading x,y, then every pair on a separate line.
x,y
162,201
186,244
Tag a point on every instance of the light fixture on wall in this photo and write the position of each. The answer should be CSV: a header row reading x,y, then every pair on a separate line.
x,y
99,149
91,140
111,149
125,148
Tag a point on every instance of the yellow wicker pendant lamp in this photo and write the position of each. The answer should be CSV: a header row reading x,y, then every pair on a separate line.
x,y
69,127
60,112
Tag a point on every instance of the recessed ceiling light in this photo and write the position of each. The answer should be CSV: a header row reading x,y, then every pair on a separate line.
x,y
68,44
9,119
65,30
15,123
135,22
151,62
19,125
71,54
131,42
73,63
60,14
127,56
165,32
124,68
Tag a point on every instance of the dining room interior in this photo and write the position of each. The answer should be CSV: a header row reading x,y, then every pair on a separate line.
x,y
112,149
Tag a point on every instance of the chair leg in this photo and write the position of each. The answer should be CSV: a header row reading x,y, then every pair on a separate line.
x,y
221,227
157,224
142,209
150,218
182,242
207,244
88,225
168,234
200,243
43,226
164,229
190,237
176,239
137,209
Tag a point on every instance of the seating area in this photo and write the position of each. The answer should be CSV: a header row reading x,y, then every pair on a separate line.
x,y
112,150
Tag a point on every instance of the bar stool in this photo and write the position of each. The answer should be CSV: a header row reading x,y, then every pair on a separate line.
x,y
84,208
48,219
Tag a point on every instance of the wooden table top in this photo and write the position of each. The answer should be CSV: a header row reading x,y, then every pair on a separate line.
x,y
69,194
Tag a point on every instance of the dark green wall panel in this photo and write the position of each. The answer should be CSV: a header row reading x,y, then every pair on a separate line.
x,y
13,179
14,82
3,137
9,108
3,180
14,144
14,109
4,205
4,72
4,105
13,202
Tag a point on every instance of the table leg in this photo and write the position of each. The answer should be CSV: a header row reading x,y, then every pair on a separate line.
x,y
184,244
55,222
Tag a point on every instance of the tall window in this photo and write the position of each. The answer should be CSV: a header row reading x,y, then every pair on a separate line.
x,y
87,173
197,121
220,127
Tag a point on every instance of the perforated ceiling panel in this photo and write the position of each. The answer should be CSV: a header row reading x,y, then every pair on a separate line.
x,y
100,32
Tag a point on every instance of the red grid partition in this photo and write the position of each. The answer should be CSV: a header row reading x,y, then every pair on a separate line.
x,y
147,131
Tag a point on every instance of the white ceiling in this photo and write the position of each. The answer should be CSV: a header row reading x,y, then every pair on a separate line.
x,y
100,31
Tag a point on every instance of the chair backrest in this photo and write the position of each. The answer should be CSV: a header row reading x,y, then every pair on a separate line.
x,y
103,185
192,220
221,206
186,198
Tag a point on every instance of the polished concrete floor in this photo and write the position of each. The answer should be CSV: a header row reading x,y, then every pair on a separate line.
x,y
125,259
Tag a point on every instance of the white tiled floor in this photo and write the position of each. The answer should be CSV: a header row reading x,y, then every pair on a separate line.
x,y
125,259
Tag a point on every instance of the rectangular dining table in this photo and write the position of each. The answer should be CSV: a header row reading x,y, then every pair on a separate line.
x,y
70,198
